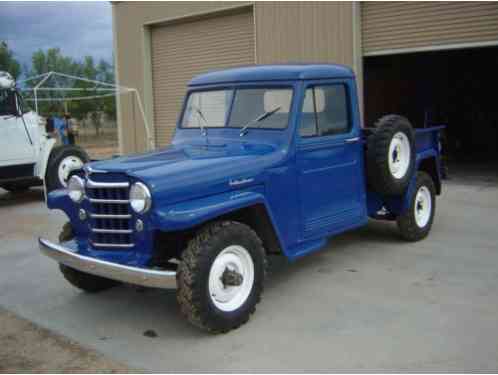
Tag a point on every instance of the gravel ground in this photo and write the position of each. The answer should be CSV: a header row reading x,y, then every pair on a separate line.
x,y
25,347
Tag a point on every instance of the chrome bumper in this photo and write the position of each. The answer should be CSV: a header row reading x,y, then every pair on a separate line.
x,y
114,271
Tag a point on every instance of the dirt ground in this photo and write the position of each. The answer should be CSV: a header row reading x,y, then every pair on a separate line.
x,y
25,347
99,147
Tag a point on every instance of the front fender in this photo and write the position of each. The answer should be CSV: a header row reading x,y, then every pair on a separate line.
x,y
188,214
59,200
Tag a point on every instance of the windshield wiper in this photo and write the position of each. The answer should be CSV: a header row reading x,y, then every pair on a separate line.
x,y
260,118
201,115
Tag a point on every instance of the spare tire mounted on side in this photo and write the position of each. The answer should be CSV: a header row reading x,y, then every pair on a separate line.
x,y
391,155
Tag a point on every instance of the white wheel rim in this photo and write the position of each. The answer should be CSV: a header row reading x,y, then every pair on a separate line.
x,y
68,164
399,155
231,297
423,206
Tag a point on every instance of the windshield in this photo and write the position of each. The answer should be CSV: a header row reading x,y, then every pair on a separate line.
x,y
211,109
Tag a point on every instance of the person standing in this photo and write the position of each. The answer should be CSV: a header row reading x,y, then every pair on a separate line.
x,y
60,126
69,128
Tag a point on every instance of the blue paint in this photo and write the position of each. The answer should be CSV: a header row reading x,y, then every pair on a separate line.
x,y
312,188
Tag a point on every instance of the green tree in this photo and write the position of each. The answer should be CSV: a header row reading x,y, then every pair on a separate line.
x,y
7,61
54,60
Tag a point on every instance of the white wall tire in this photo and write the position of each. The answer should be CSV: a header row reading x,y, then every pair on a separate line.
x,y
416,223
220,277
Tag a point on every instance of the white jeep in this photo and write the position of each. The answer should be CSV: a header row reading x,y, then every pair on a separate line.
x,y
28,155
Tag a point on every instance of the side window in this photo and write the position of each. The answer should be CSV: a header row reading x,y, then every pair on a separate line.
x,y
325,111
7,102
308,127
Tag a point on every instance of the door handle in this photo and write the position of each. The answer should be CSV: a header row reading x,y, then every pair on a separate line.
x,y
352,140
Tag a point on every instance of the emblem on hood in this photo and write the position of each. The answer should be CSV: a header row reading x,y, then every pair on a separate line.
x,y
240,181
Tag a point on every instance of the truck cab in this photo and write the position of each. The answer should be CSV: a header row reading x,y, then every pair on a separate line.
x,y
28,155
265,160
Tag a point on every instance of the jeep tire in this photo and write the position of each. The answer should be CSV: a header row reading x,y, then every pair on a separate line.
x,y
416,222
221,275
63,160
81,280
390,156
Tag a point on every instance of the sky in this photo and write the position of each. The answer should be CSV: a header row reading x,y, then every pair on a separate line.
x,y
77,28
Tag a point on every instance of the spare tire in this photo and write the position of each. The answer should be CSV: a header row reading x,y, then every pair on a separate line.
x,y
391,155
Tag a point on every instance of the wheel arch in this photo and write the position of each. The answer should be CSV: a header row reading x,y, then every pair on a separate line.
x,y
248,207
430,166
256,217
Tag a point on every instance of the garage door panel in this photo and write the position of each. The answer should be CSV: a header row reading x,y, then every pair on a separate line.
x,y
396,25
183,50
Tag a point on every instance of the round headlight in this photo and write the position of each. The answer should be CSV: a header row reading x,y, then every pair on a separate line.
x,y
140,199
76,188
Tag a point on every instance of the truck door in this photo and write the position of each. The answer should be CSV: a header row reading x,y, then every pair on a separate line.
x,y
330,161
15,145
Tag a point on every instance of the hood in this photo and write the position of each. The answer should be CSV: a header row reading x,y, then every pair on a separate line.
x,y
181,172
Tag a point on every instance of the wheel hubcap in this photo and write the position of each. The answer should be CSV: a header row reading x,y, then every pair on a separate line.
x,y
67,165
231,278
423,206
399,155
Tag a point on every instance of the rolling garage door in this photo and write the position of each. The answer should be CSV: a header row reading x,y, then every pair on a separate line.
x,y
393,27
183,50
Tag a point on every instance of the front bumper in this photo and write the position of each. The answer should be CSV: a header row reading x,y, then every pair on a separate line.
x,y
132,275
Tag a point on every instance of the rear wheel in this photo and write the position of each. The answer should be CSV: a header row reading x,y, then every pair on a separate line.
x,y
415,224
63,160
220,278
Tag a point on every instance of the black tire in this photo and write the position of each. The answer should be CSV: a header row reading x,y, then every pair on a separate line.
x,y
57,155
408,226
85,281
379,175
81,280
193,294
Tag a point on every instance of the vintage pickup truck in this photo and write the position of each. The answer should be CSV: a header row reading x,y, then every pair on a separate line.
x,y
265,160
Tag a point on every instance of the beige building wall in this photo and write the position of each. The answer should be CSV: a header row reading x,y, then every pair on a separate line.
x,y
397,27
304,32
284,32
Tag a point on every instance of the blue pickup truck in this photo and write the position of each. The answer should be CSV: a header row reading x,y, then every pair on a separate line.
x,y
265,160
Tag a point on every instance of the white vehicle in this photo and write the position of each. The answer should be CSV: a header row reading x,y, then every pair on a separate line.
x,y
28,155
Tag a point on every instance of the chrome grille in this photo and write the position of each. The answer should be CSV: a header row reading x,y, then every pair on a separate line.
x,y
109,216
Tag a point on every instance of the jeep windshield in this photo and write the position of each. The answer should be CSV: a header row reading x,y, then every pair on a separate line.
x,y
238,108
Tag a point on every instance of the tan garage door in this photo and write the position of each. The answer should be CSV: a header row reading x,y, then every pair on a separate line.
x,y
390,27
183,50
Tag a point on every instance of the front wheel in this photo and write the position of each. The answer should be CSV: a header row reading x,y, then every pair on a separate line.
x,y
63,160
220,278
416,222
81,280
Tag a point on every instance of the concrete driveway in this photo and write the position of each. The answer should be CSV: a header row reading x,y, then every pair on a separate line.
x,y
369,301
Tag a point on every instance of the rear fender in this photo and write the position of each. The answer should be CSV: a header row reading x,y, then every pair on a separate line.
x,y
399,205
186,215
